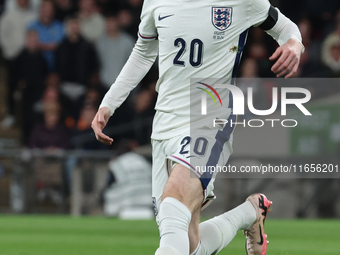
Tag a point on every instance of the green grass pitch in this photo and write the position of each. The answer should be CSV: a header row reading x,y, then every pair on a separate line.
x,y
48,235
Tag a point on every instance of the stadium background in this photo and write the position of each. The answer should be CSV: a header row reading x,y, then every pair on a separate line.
x,y
50,162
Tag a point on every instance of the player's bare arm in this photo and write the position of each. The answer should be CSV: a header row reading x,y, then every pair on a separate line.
x,y
98,124
288,58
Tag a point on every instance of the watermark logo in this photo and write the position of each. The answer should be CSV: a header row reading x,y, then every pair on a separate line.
x,y
239,99
204,96
238,103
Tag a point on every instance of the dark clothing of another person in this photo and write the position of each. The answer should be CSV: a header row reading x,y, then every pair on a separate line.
x,y
43,138
76,62
61,14
32,70
85,140
12,81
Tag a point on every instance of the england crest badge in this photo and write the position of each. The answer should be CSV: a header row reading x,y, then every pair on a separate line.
x,y
221,17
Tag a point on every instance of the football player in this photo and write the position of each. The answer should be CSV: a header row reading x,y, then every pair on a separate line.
x,y
197,40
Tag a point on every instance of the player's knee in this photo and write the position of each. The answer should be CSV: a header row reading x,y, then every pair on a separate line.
x,y
183,187
190,197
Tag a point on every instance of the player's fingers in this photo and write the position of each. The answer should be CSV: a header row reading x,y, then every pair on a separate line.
x,y
291,66
294,65
276,54
287,66
97,127
293,71
104,138
279,62
100,135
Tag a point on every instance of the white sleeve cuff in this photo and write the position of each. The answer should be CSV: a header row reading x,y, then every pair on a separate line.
x,y
284,30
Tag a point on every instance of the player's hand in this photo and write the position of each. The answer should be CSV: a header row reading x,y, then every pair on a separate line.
x,y
98,124
288,58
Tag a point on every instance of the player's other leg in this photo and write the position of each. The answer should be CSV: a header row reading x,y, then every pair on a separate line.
x,y
256,239
217,233
182,195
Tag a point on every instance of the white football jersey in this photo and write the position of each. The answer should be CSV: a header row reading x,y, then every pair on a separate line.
x,y
197,39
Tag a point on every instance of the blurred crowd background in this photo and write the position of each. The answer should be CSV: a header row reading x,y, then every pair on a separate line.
x,y
59,57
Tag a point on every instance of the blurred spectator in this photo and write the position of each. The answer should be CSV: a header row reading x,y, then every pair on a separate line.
x,y
52,81
11,5
258,51
310,59
93,97
92,23
50,134
31,66
105,5
76,65
144,104
12,40
259,48
248,75
76,58
31,72
126,22
249,68
331,52
320,11
76,62
52,94
13,28
2,6
135,11
114,45
50,31
65,8
331,26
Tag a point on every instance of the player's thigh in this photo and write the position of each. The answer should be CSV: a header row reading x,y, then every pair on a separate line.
x,y
191,150
199,151
185,187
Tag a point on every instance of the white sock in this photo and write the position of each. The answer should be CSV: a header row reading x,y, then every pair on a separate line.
x,y
218,232
174,220
242,216
167,251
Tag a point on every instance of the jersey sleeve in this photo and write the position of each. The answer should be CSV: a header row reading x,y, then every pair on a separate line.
x,y
147,28
258,11
285,29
